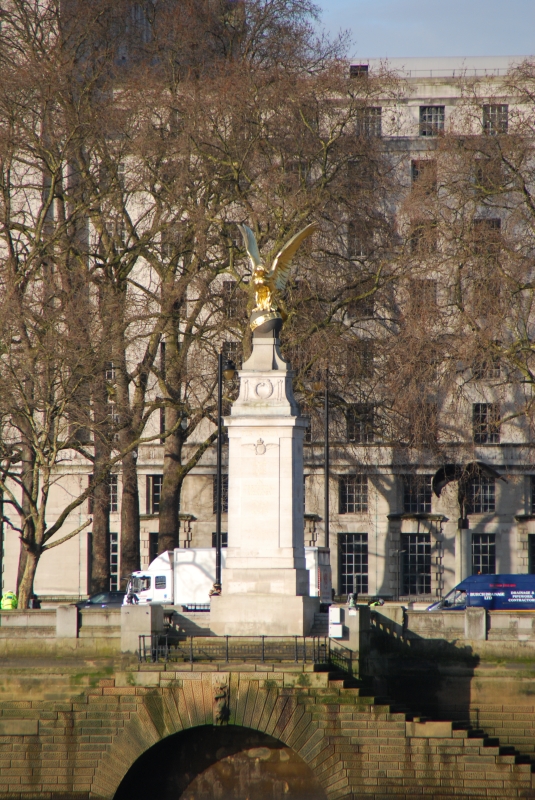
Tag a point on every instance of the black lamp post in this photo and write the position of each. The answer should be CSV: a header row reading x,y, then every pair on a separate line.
x,y
226,370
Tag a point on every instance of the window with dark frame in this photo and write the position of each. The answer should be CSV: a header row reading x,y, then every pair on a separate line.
x,y
153,546
531,553
369,121
353,560
360,423
360,358
423,237
483,553
431,120
495,118
224,494
114,494
486,423
154,491
422,294
363,307
230,299
358,70
489,175
532,494
416,563
224,539
353,494
359,239
424,174
114,562
481,495
162,425
488,368
486,237
417,494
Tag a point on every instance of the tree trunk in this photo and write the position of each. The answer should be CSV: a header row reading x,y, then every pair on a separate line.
x,y
172,484
100,540
27,524
129,518
26,583
100,545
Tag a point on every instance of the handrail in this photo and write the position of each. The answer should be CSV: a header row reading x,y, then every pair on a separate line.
x,y
261,649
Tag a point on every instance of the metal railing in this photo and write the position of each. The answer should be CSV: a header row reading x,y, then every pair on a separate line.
x,y
341,657
299,649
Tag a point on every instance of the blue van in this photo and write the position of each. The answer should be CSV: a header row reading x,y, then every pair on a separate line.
x,y
495,592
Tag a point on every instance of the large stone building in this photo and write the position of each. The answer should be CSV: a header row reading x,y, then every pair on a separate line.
x,y
389,534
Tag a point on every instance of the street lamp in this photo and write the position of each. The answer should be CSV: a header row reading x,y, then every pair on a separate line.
x,y
226,369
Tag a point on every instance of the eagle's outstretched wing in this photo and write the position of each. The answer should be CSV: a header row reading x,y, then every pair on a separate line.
x,y
250,245
280,271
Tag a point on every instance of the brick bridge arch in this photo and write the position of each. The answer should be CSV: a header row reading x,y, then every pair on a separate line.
x,y
254,702
355,747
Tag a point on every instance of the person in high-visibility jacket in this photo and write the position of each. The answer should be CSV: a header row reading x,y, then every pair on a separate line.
x,y
9,601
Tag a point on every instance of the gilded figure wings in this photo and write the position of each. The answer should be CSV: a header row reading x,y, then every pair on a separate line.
x,y
280,271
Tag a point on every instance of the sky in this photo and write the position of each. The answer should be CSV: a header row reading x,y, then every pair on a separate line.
x,y
407,28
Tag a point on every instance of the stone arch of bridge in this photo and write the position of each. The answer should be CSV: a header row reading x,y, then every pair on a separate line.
x,y
207,701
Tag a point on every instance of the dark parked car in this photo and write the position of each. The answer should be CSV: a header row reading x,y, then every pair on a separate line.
x,y
103,600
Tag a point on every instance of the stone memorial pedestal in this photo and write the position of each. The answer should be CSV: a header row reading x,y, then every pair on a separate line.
x,y
265,582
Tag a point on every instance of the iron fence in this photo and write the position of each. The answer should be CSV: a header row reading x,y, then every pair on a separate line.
x,y
259,649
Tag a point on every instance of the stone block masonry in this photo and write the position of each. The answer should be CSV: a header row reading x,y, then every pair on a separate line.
x,y
76,731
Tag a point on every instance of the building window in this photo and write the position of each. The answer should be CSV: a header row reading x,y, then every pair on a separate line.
x,y
417,494
495,118
369,121
362,305
162,425
153,546
487,368
359,421
481,495
486,423
532,494
359,240
230,299
353,548
483,554
353,494
114,562
431,120
224,494
224,539
154,491
358,71
531,553
486,237
422,238
416,563
114,494
422,295
424,174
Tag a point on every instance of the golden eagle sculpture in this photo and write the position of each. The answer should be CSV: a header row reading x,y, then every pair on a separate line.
x,y
266,284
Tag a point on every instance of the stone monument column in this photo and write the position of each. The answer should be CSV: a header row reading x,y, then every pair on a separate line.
x,y
265,581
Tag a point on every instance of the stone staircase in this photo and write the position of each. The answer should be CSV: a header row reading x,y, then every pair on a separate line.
x,y
393,744
321,624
